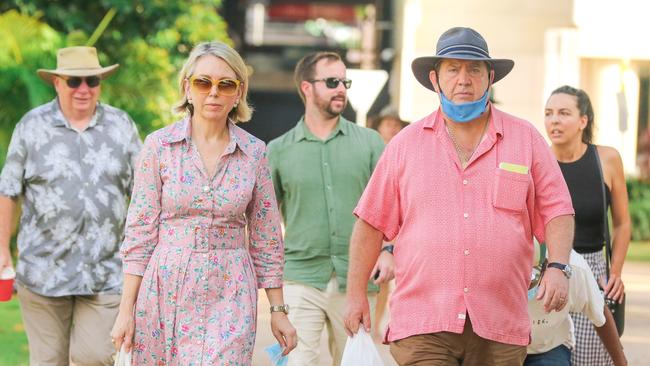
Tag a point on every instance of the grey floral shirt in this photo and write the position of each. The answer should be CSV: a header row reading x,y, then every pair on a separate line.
x,y
74,187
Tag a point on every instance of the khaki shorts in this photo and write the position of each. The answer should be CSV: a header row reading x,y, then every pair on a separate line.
x,y
68,328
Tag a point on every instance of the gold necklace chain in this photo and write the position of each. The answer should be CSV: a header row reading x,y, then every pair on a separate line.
x,y
463,158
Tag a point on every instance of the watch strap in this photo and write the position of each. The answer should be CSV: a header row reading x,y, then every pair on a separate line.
x,y
562,267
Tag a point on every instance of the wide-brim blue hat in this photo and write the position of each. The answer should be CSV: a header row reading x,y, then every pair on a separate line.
x,y
462,44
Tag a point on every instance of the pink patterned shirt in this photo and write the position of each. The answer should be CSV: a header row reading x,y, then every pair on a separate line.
x,y
464,237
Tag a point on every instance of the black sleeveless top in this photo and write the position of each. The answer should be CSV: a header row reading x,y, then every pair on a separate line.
x,y
584,185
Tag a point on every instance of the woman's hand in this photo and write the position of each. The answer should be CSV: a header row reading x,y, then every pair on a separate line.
x,y
123,330
284,332
615,288
386,266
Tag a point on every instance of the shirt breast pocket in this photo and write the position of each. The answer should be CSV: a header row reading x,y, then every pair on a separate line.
x,y
510,190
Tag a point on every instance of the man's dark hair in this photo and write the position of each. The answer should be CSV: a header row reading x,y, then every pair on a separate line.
x,y
305,68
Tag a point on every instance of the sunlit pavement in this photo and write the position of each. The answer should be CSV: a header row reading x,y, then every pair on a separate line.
x,y
636,339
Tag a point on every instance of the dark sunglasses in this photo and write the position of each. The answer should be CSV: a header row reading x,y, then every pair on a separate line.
x,y
203,84
75,81
333,83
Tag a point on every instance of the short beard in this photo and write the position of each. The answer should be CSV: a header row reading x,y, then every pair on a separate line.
x,y
326,106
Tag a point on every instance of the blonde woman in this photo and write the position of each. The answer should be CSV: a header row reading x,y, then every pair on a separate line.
x,y
569,122
190,282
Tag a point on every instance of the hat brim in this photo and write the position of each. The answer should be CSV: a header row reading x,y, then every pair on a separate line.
x,y
422,66
104,72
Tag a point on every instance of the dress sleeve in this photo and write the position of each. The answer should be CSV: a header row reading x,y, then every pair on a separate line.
x,y
265,233
13,172
274,165
141,231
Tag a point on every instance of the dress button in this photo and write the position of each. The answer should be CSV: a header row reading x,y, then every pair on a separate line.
x,y
464,182
465,215
466,290
466,252
329,187
206,189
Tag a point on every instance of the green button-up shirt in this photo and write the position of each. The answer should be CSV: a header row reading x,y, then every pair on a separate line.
x,y
317,184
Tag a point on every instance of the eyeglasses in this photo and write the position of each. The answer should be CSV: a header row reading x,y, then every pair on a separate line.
x,y
203,84
75,81
333,83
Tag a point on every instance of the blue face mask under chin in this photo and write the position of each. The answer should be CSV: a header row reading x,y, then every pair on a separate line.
x,y
463,112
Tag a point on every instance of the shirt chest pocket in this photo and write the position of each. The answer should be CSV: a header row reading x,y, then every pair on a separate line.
x,y
510,190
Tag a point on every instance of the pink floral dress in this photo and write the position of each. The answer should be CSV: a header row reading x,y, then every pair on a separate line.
x,y
186,234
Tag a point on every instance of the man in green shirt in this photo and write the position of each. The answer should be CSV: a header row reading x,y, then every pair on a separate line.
x,y
320,169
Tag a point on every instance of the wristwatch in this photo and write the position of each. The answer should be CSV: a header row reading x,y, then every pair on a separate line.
x,y
565,268
388,248
284,308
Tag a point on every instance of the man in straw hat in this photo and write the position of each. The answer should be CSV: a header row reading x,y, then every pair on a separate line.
x,y
71,160
459,190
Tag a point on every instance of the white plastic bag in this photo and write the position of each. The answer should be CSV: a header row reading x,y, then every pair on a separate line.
x,y
360,350
123,358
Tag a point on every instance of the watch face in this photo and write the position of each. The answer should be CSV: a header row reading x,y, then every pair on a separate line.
x,y
568,270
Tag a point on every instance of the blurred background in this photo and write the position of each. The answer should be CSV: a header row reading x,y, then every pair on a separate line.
x,y
596,45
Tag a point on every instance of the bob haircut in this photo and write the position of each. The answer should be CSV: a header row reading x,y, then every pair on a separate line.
x,y
243,111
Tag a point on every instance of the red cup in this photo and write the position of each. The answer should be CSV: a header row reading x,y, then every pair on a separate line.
x,y
7,277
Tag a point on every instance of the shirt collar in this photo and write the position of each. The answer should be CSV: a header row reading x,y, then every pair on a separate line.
x,y
182,131
59,120
302,132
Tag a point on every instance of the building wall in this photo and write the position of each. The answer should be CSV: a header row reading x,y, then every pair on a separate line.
x,y
595,45
513,29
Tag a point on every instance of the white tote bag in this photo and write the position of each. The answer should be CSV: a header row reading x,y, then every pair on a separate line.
x,y
123,358
360,350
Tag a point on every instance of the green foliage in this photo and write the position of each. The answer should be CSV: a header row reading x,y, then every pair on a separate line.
x,y
639,194
150,39
13,341
26,44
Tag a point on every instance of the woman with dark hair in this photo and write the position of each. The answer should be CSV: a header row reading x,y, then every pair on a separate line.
x,y
569,122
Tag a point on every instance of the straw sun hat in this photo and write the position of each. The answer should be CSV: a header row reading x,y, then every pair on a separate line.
x,y
77,61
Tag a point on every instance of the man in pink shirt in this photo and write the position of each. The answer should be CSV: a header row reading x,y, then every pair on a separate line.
x,y
462,192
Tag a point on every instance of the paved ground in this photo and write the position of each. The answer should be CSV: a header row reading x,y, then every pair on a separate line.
x,y
636,338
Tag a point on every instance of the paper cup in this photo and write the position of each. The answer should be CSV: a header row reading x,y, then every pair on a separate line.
x,y
7,277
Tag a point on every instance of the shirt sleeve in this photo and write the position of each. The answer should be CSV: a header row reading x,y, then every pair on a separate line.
x,y
552,198
586,297
265,234
13,172
143,218
377,146
379,204
134,147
